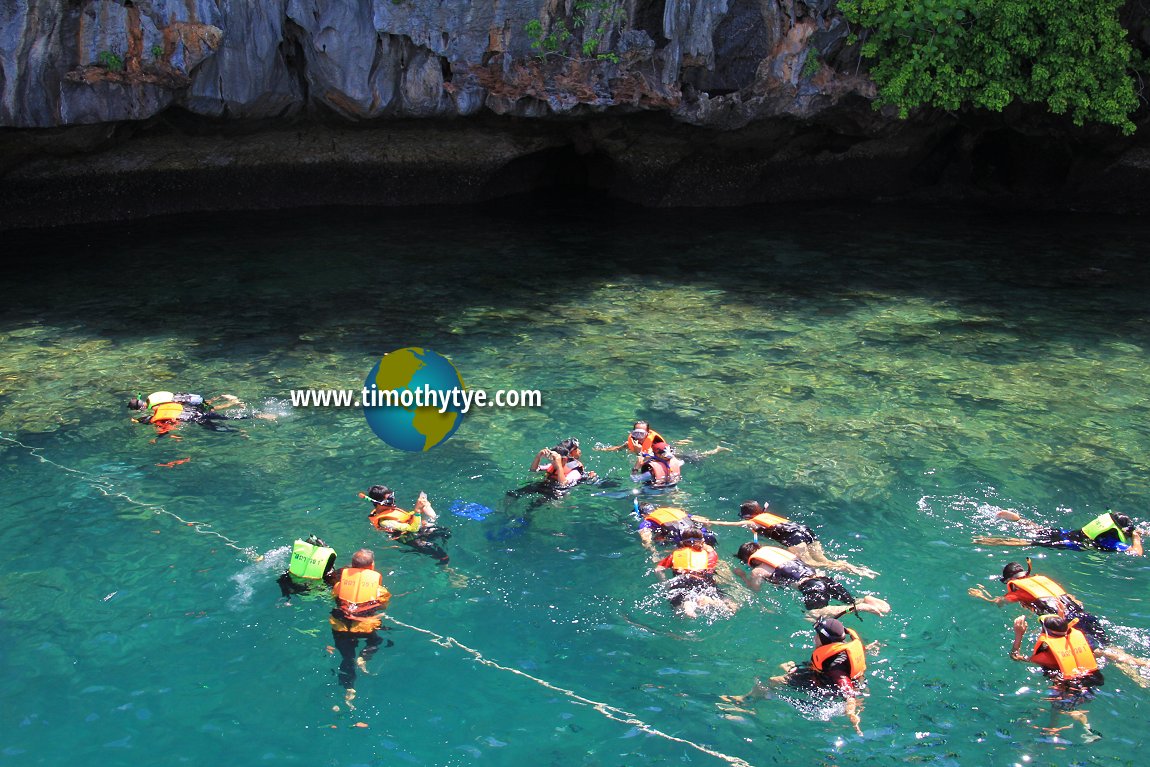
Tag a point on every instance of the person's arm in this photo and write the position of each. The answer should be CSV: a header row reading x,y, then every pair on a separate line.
x,y
535,465
980,592
716,523
1135,549
609,448
753,581
854,708
424,509
1019,631
285,584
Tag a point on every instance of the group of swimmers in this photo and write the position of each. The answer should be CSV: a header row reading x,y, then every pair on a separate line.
x,y
1069,640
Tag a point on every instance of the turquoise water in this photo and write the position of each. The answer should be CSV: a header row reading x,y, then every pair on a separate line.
x,y
892,379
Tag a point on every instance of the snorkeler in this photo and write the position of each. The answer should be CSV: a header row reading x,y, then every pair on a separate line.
x,y
660,468
563,471
1066,659
797,537
311,562
360,597
416,528
1043,597
780,567
1110,531
642,439
695,565
667,524
837,667
167,410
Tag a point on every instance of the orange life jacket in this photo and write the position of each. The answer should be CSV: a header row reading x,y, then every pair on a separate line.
x,y
168,411
692,561
1071,655
665,515
393,514
1036,587
771,556
359,591
768,520
661,473
856,654
651,438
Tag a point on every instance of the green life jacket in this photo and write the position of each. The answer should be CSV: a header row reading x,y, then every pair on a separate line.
x,y
310,561
1101,524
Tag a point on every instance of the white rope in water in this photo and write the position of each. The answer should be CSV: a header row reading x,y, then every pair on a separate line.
x,y
104,486
612,713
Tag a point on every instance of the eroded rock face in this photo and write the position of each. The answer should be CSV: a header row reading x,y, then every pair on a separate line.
x,y
88,61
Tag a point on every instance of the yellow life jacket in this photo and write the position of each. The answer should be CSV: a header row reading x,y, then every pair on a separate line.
x,y
167,411
1071,653
856,654
360,590
405,521
771,556
665,515
159,398
310,561
691,561
1101,524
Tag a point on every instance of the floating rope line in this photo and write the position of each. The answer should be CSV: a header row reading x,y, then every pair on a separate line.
x,y
104,486
612,713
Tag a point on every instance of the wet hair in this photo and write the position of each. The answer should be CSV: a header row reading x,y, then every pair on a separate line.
x,y
570,445
1123,521
379,493
647,426
1011,570
561,450
1055,625
135,403
746,550
750,509
691,534
646,508
363,558
831,630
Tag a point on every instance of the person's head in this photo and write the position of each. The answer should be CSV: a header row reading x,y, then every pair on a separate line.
x,y
1055,625
315,540
1011,571
750,509
363,558
382,495
639,431
646,508
561,451
745,551
135,403
692,537
662,450
830,630
1124,522
571,445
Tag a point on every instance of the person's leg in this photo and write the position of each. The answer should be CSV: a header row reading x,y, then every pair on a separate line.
x,y
371,645
345,643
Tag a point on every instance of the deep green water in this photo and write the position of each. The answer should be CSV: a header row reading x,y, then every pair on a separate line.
x,y
891,378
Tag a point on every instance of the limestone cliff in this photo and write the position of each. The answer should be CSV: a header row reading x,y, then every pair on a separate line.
x,y
665,102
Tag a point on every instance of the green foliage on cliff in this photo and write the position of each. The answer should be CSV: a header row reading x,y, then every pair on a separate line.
x,y
1072,55
594,19
110,60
